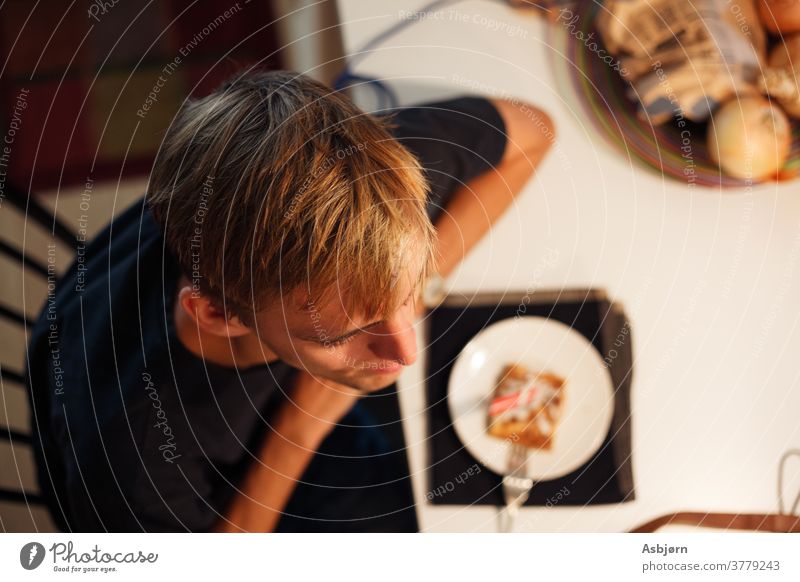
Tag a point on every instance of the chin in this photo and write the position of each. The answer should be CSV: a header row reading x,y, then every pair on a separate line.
x,y
374,381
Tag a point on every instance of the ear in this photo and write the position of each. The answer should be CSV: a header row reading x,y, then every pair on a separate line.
x,y
208,317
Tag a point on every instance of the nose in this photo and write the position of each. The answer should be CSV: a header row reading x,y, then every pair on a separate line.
x,y
396,341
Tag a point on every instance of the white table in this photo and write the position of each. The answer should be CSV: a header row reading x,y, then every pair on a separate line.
x,y
710,282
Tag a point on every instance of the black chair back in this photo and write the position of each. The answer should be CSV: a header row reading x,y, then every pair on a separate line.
x,y
19,493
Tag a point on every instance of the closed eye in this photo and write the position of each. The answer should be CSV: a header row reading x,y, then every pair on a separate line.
x,y
343,338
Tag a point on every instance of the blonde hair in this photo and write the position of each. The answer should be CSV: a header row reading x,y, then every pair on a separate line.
x,y
273,182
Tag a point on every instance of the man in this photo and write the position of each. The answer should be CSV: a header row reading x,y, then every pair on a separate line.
x,y
214,340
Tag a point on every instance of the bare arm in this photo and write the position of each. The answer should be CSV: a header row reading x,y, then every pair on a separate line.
x,y
299,428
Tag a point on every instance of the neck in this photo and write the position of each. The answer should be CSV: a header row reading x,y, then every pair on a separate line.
x,y
231,352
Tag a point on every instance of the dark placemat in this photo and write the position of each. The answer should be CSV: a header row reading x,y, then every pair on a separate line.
x,y
455,476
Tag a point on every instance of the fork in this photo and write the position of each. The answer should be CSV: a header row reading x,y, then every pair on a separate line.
x,y
516,486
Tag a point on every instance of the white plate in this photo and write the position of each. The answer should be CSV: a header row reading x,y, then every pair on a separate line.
x,y
541,344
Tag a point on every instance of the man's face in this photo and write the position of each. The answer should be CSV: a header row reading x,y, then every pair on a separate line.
x,y
322,339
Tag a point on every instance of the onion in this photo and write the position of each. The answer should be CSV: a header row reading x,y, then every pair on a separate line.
x,y
750,138
780,16
781,79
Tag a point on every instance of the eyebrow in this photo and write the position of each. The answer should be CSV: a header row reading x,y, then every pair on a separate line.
x,y
352,332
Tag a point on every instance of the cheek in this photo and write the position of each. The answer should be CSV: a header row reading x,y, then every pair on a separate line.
x,y
347,356
297,353
321,357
